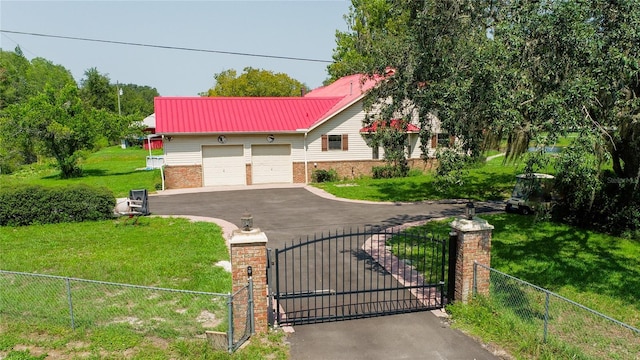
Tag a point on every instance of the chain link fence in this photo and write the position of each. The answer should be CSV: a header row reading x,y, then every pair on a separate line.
x,y
225,320
533,312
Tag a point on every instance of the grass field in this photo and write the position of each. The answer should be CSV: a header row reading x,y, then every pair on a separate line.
x,y
118,169
117,322
599,271
491,181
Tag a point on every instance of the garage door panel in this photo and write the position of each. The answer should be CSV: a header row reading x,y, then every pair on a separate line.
x,y
223,165
271,164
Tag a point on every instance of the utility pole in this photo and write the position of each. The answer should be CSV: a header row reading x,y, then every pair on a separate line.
x,y
119,94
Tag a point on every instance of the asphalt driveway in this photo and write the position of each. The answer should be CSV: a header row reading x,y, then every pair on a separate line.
x,y
288,214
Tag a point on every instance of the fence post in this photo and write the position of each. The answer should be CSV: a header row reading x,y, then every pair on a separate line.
x,y
249,248
546,316
230,322
69,299
451,273
252,323
473,244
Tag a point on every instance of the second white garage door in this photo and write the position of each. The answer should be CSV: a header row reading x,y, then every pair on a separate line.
x,y
271,164
223,165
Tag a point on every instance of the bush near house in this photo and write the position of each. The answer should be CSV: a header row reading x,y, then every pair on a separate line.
x,y
34,204
320,175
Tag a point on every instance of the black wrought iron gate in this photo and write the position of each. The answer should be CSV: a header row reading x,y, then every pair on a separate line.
x,y
356,274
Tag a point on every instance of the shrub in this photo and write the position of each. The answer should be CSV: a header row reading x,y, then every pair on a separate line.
x,y
389,171
320,175
32,204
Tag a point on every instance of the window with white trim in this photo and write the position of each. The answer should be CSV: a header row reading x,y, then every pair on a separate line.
x,y
335,142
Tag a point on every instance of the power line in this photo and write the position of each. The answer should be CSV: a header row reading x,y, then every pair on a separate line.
x,y
165,46
21,48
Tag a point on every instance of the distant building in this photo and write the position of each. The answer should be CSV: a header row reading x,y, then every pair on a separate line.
x,y
151,140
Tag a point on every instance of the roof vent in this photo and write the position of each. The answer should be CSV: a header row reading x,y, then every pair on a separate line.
x,y
351,88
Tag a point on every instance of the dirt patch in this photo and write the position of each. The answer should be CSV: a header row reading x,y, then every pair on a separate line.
x,y
158,342
36,351
131,320
208,319
75,345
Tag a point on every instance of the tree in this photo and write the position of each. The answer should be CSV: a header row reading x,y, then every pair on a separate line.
x,y
369,21
97,91
137,100
528,71
254,82
13,77
59,124
43,72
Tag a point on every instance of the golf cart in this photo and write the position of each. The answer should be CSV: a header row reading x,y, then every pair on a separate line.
x,y
532,192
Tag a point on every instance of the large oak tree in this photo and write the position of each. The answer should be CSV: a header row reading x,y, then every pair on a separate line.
x,y
522,70
255,82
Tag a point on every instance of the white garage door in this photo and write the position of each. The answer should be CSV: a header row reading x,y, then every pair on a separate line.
x,y
223,165
271,164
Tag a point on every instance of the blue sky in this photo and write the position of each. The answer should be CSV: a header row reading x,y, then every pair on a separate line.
x,y
304,29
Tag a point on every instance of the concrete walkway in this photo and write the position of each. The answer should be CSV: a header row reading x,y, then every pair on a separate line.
x,y
289,212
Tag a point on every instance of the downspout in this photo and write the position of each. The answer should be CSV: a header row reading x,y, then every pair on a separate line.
x,y
164,158
306,165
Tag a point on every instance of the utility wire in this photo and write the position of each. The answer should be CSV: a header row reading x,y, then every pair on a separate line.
x,y
18,44
165,46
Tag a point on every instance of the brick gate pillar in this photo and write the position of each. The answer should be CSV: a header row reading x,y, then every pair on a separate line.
x,y
471,238
249,248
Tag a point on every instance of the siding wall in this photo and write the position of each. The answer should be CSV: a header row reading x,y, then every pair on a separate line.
x,y
338,125
187,149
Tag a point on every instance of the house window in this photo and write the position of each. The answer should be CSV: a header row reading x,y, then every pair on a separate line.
x,y
375,154
335,142
444,140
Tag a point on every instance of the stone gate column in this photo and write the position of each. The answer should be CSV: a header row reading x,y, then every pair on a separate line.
x,y
249,248
472,241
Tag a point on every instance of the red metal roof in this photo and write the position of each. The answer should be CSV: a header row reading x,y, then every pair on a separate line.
x,y
350,88
230,114
257,114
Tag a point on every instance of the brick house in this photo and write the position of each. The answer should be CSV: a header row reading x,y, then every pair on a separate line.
x,y
216,141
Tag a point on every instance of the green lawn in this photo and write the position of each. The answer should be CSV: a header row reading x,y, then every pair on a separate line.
x,y
491,181
599,271
118,169
155,252
116,322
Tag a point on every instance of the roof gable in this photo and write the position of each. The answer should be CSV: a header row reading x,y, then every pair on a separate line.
x,y
229,114
191,115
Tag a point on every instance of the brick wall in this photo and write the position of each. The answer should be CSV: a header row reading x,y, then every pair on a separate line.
x,y
353,169
298,173
190,176
249,249
474,244
248,173
184,176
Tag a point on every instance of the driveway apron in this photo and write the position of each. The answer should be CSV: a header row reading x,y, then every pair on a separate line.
x,y
289,214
